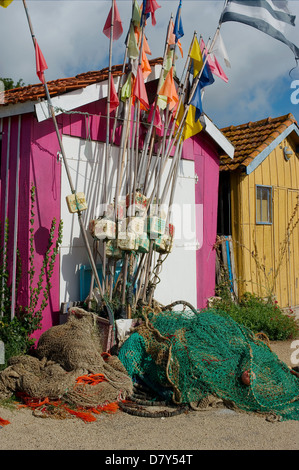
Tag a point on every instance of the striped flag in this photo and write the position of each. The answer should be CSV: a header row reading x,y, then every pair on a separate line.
x,y
268,16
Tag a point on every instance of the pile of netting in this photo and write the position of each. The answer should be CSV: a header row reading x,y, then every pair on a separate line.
x,y
187,357
69,371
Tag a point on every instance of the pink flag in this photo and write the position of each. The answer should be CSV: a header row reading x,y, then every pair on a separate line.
x,y
157,119
151,7
114,101
117,24
140,90
215,67
41,64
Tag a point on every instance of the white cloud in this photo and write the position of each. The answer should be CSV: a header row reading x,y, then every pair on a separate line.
x,y
69,33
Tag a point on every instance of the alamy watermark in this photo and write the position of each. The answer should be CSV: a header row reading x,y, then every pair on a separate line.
x,y
295,353
295,93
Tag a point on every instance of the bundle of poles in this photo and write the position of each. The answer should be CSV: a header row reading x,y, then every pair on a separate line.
x,y
134,234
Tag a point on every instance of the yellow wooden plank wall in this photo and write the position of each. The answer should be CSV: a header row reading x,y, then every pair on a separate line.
x,y
267,256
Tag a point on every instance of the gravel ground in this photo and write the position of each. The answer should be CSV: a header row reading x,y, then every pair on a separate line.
x,y
215,429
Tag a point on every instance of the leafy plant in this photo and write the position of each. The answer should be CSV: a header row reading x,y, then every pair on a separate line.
x,y
16,332
259,315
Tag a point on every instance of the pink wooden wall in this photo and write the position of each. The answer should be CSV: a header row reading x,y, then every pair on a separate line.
x,y
203,151
39,165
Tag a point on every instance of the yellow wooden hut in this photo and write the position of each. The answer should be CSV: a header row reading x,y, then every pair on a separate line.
x,y
259,208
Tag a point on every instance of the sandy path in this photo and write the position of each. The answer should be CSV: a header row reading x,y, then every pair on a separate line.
x,y
216,429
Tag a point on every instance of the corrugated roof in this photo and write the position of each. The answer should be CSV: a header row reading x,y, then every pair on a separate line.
x,y
62,85
252,138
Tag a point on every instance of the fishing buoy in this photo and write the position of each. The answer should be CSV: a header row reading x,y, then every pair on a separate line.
x,y
76,202
143,243
102,229
246,377
127,241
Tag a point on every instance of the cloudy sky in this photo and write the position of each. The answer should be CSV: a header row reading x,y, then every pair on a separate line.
x,y
69,33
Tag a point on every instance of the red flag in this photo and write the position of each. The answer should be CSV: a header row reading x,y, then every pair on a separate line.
x,y
151,7
114,101
140,90
117,24
41,64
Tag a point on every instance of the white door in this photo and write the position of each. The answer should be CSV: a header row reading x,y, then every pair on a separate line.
x,y
86,166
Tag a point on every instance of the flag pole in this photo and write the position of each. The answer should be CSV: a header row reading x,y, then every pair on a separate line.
x,y
193,89
150,130
106,161
83,231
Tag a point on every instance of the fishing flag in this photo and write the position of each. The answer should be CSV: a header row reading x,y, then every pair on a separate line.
x,y
206,78
149,7
114,101
136,15
178,24
215,67
191,126
196,102
126,90
5,3
145,65
268,16
139,89
157,119
40,61
133,50
219,50
168,89
117,24
172,38
196,57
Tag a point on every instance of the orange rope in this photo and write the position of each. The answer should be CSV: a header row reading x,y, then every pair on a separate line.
x,y
91,379
4,422
82,413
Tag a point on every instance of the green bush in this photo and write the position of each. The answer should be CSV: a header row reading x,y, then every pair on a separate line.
x,y
260,315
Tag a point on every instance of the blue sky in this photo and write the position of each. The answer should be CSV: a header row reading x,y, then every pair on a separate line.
x,y
69,33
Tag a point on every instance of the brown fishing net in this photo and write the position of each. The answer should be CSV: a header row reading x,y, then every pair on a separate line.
x,y
65,354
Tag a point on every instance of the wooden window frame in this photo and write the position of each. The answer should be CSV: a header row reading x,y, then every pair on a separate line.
x,y
269,205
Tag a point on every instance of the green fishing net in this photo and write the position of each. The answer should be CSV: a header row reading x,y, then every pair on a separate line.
x,y
187,356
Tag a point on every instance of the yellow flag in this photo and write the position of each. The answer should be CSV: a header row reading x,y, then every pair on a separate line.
x,y
5,3
196,57
191,127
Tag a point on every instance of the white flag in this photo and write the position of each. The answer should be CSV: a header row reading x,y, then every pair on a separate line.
x,y
219,50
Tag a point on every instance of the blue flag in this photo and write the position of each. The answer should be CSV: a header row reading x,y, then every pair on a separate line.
x,y
178,29
207,77
196,102
147,15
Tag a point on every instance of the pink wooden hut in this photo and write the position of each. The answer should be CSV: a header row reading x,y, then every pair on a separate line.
x,y
30,155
